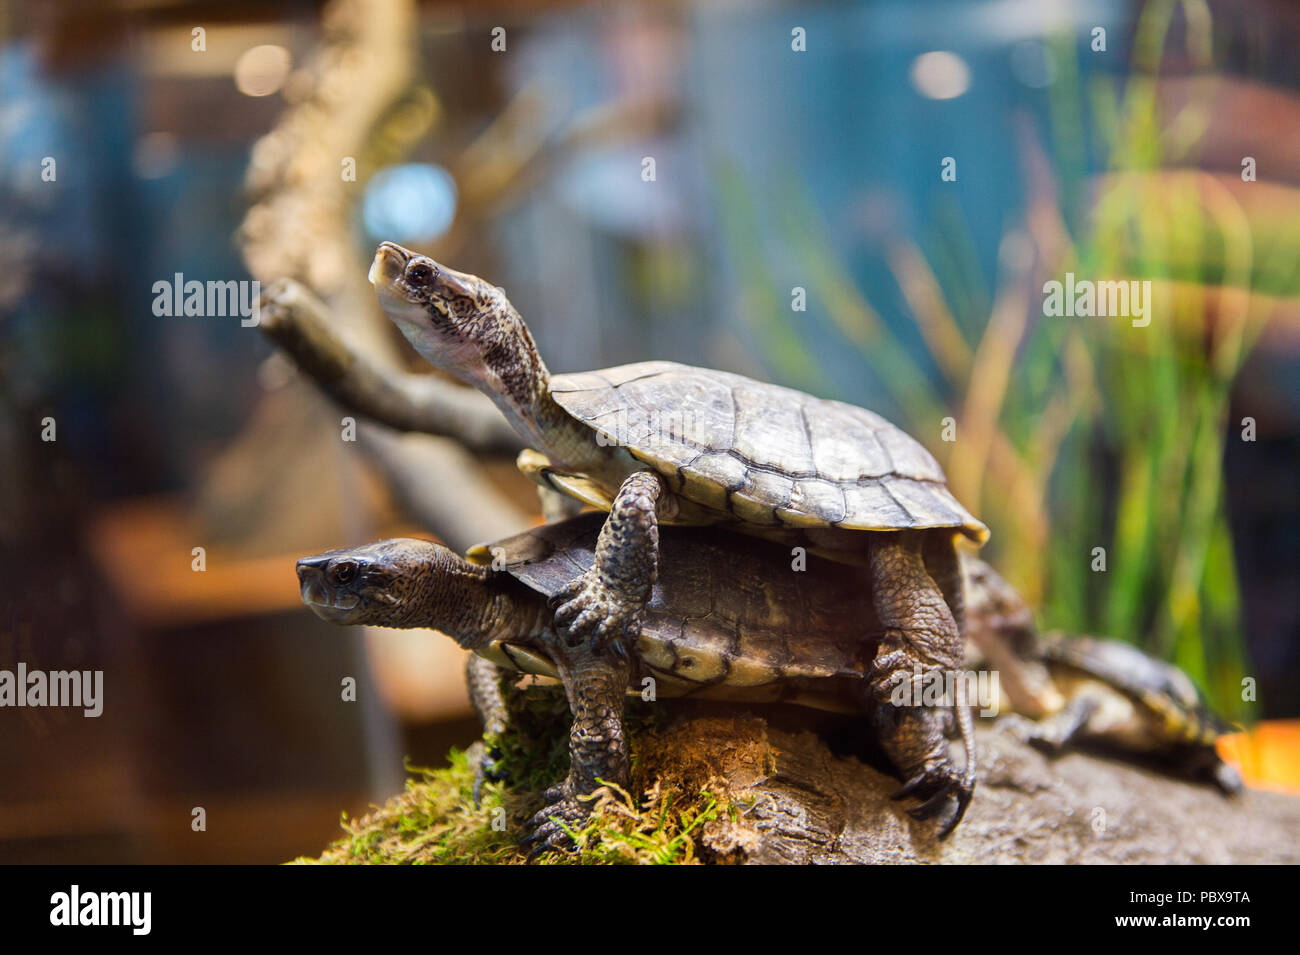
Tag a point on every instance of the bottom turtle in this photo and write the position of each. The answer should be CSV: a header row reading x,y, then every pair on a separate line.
x,y
724,618
1067,689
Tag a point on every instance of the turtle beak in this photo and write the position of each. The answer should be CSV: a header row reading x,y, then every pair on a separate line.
x,y
389,264
320,596
311,580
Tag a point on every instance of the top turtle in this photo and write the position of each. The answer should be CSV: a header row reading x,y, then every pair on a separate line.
x,y
731,449
699,446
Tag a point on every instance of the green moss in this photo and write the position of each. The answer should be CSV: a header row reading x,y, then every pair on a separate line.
x,y
435,821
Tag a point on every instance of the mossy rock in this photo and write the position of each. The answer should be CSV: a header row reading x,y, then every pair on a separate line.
x,y
719,783
681,813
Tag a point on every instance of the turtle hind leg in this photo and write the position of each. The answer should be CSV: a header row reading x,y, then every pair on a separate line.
x,y
920,634
943,564
595,681
944,567
966,729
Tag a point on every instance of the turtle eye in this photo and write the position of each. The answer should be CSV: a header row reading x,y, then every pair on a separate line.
x,y
343,572
419,273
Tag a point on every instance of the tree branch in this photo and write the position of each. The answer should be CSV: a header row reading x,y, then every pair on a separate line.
x,y
442,486
299,323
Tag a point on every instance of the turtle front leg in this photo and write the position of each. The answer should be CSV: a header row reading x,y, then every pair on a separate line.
x,y
597,621
486,682
1055,732
919,633
1209,767
603,607
595,681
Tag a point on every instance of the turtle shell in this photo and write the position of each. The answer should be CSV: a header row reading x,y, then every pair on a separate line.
x,y
1160,687
764,453
728,618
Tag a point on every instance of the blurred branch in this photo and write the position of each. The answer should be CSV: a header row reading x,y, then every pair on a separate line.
x,y
301,325
441,485
353,101
355,106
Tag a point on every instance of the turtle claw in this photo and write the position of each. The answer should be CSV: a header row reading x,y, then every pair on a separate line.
x,y
549,837
1227,779
909,787
963,800
488,769
936,787
929,808
897,665
588,611
550,826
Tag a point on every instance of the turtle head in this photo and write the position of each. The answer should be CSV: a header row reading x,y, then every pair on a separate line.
x,y
464,325
403,582
384,584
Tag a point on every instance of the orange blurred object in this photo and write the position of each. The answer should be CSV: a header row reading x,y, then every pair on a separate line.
x,y
1268,755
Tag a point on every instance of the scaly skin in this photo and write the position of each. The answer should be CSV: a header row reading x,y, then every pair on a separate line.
x,y
486,682
595,682
599,617
417,583
413,583
919,629
468,328
603,607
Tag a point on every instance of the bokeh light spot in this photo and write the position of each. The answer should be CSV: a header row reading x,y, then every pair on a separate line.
x,y
415,203
261,70
940,75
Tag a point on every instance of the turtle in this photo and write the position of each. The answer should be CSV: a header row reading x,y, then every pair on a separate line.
x,y
698,447
1066,689
725,618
